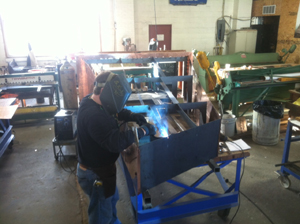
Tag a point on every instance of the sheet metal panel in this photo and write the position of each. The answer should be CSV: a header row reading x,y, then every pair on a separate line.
x,y
166,158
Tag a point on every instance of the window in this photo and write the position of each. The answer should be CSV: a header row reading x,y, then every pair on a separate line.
x,y
53,28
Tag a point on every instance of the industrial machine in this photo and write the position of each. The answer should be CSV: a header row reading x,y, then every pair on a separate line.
x,y
65,127
37,86
245,77
179,144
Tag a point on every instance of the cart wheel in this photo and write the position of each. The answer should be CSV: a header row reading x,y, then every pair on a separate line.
x,y
223,214
11,144
284,181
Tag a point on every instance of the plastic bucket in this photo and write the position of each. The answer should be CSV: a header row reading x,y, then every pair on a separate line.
x,y
265,130
228,125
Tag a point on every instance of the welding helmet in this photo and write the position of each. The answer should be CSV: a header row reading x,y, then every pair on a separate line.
x,y
115,93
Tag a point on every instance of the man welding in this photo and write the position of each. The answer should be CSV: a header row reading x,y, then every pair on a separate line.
x,y
100,141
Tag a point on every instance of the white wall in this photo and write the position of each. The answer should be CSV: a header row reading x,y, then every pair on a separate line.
x,y
193,27
107,25
125,22
117,22
241,10
2,51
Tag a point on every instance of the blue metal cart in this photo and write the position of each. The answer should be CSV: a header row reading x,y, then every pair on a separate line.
x,y
288,167
208,200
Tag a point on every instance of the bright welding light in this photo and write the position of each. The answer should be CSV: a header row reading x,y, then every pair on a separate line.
x,y
160,122
163,132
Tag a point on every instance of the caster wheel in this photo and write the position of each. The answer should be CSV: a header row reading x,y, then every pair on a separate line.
x,y
223,214
284,181
10,146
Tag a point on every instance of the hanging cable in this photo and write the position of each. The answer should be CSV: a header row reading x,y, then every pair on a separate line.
x,y
155,21
240,192
258,208
68,168
61,156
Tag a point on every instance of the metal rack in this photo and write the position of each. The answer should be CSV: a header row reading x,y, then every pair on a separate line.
x,y
61,143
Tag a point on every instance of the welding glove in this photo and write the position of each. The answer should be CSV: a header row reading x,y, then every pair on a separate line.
x,y
138,118
149,129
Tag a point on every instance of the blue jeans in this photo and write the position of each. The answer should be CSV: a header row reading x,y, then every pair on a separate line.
x,y
101,210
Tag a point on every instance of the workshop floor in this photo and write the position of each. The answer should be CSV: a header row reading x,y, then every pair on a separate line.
x,y
35,188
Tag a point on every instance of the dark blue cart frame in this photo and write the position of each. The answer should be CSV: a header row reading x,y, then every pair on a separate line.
x,y
288,167
213,201
6,136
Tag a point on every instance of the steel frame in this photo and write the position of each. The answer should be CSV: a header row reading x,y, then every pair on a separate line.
x,y
86,76
288,167
6,135
172,209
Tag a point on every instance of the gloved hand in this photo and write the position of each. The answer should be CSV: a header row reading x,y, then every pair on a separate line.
x,y
138,118
149,128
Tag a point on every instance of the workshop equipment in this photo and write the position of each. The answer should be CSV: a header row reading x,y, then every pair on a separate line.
x,y
115,93
228,125
68,85
216,68
266,122
65,124
204,64
65,145
289,167
240,86
30,86
180,145
7,111
248,84
238,60
158,161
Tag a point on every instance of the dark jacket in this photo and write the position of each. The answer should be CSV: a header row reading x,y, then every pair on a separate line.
x,y
99,138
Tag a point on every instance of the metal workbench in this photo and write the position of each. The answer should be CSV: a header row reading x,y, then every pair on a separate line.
x,y
30,86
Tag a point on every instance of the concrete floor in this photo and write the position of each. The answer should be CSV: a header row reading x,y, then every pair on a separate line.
x,y
35,188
